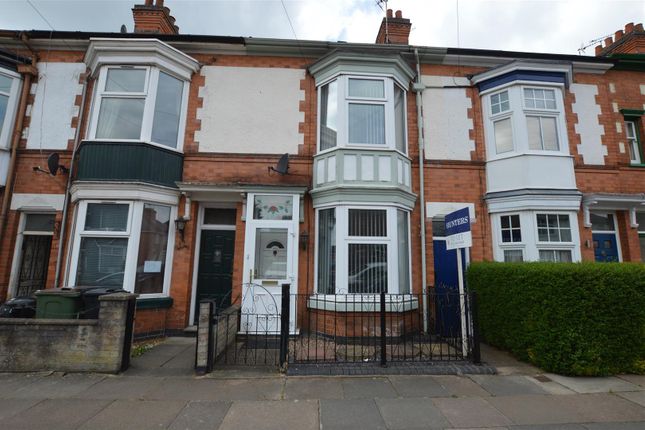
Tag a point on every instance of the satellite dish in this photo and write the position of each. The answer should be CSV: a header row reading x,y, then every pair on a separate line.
x,y
283,165
124,29
53,164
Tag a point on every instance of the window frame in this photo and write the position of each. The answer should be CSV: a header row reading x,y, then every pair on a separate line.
x,y
635,139
132,233
151,85
518,113
342,114
12,106
343,240
531,245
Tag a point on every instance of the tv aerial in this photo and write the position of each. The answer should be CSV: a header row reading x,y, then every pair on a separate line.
x,y
282,167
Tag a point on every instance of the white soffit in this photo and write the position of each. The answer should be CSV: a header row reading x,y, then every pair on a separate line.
x,y
102,51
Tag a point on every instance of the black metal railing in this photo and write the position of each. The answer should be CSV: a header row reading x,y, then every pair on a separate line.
x,y
262,328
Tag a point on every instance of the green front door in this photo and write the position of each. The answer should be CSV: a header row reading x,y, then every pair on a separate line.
x,y
215,273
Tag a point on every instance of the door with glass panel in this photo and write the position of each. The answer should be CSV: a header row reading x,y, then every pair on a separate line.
x,y
271,261
605,244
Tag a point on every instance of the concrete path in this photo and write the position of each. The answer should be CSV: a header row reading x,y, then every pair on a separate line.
x,y
158,393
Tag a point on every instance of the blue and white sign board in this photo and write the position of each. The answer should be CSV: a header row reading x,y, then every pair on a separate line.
x,y
458,233
458,236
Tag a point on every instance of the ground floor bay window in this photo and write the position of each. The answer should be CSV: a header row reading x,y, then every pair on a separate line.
x,y
362,250
124,244
540,235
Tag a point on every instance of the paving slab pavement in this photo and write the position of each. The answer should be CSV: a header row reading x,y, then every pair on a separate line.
x,y
272,415
162,392
135,414
201,415
588,385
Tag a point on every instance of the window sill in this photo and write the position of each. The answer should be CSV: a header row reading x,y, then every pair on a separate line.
x,y
362,302
515,154
154,303
637,165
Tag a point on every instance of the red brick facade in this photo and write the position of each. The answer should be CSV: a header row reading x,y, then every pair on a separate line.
x,y
444,180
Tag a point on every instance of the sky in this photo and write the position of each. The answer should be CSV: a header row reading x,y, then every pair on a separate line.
x,y
554,26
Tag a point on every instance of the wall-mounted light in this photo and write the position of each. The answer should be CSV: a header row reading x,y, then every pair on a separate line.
x,y
304,240
180,226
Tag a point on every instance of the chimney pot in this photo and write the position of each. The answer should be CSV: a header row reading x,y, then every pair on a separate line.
x,y
148,3
159,3
608,42
618,35
389,13
398,14
638,27
598,50
629,27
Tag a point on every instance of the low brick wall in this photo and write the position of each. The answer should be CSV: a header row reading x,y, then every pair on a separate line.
x,y
361,324
29,345
213,338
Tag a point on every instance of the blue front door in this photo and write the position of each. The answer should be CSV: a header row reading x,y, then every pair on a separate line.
x,y
605,247
446,315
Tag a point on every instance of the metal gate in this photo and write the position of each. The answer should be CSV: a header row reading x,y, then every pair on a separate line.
x,y
373,329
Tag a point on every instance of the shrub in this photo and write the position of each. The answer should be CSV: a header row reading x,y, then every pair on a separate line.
x,y
568,318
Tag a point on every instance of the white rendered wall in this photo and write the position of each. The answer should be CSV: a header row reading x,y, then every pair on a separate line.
x,y
588,127
54,105
446,121
530,171
250,110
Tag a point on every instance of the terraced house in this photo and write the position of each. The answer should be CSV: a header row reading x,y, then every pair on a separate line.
x,y
169,176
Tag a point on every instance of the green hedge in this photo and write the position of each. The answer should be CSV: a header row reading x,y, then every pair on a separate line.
x,y
568,318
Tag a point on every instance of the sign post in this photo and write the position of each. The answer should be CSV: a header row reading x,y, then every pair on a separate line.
x,y
459,236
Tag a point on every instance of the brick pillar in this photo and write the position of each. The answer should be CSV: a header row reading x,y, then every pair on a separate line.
x,y
585,237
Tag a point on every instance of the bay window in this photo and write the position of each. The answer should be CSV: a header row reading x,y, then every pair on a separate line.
x,y
139,104
363,250
9,87
123,244
362,112
536,236
525,119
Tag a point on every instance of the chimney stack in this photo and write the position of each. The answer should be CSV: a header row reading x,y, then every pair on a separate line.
x,y
394,29
153,19
628,41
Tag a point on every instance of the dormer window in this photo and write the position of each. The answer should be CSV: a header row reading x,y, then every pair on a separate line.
x,y
140,104
362,112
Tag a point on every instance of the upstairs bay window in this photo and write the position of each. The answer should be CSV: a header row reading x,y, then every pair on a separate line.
x,y
9,83
526,119
139,104
362,112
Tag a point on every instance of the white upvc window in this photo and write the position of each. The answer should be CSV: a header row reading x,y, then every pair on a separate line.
x,y
9,86
139,104
536,236
633,142
362,250
510,238
525,119
126,244
362,112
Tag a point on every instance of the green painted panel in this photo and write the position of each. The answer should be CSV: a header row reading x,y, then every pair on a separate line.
x,y
155,303
131,161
